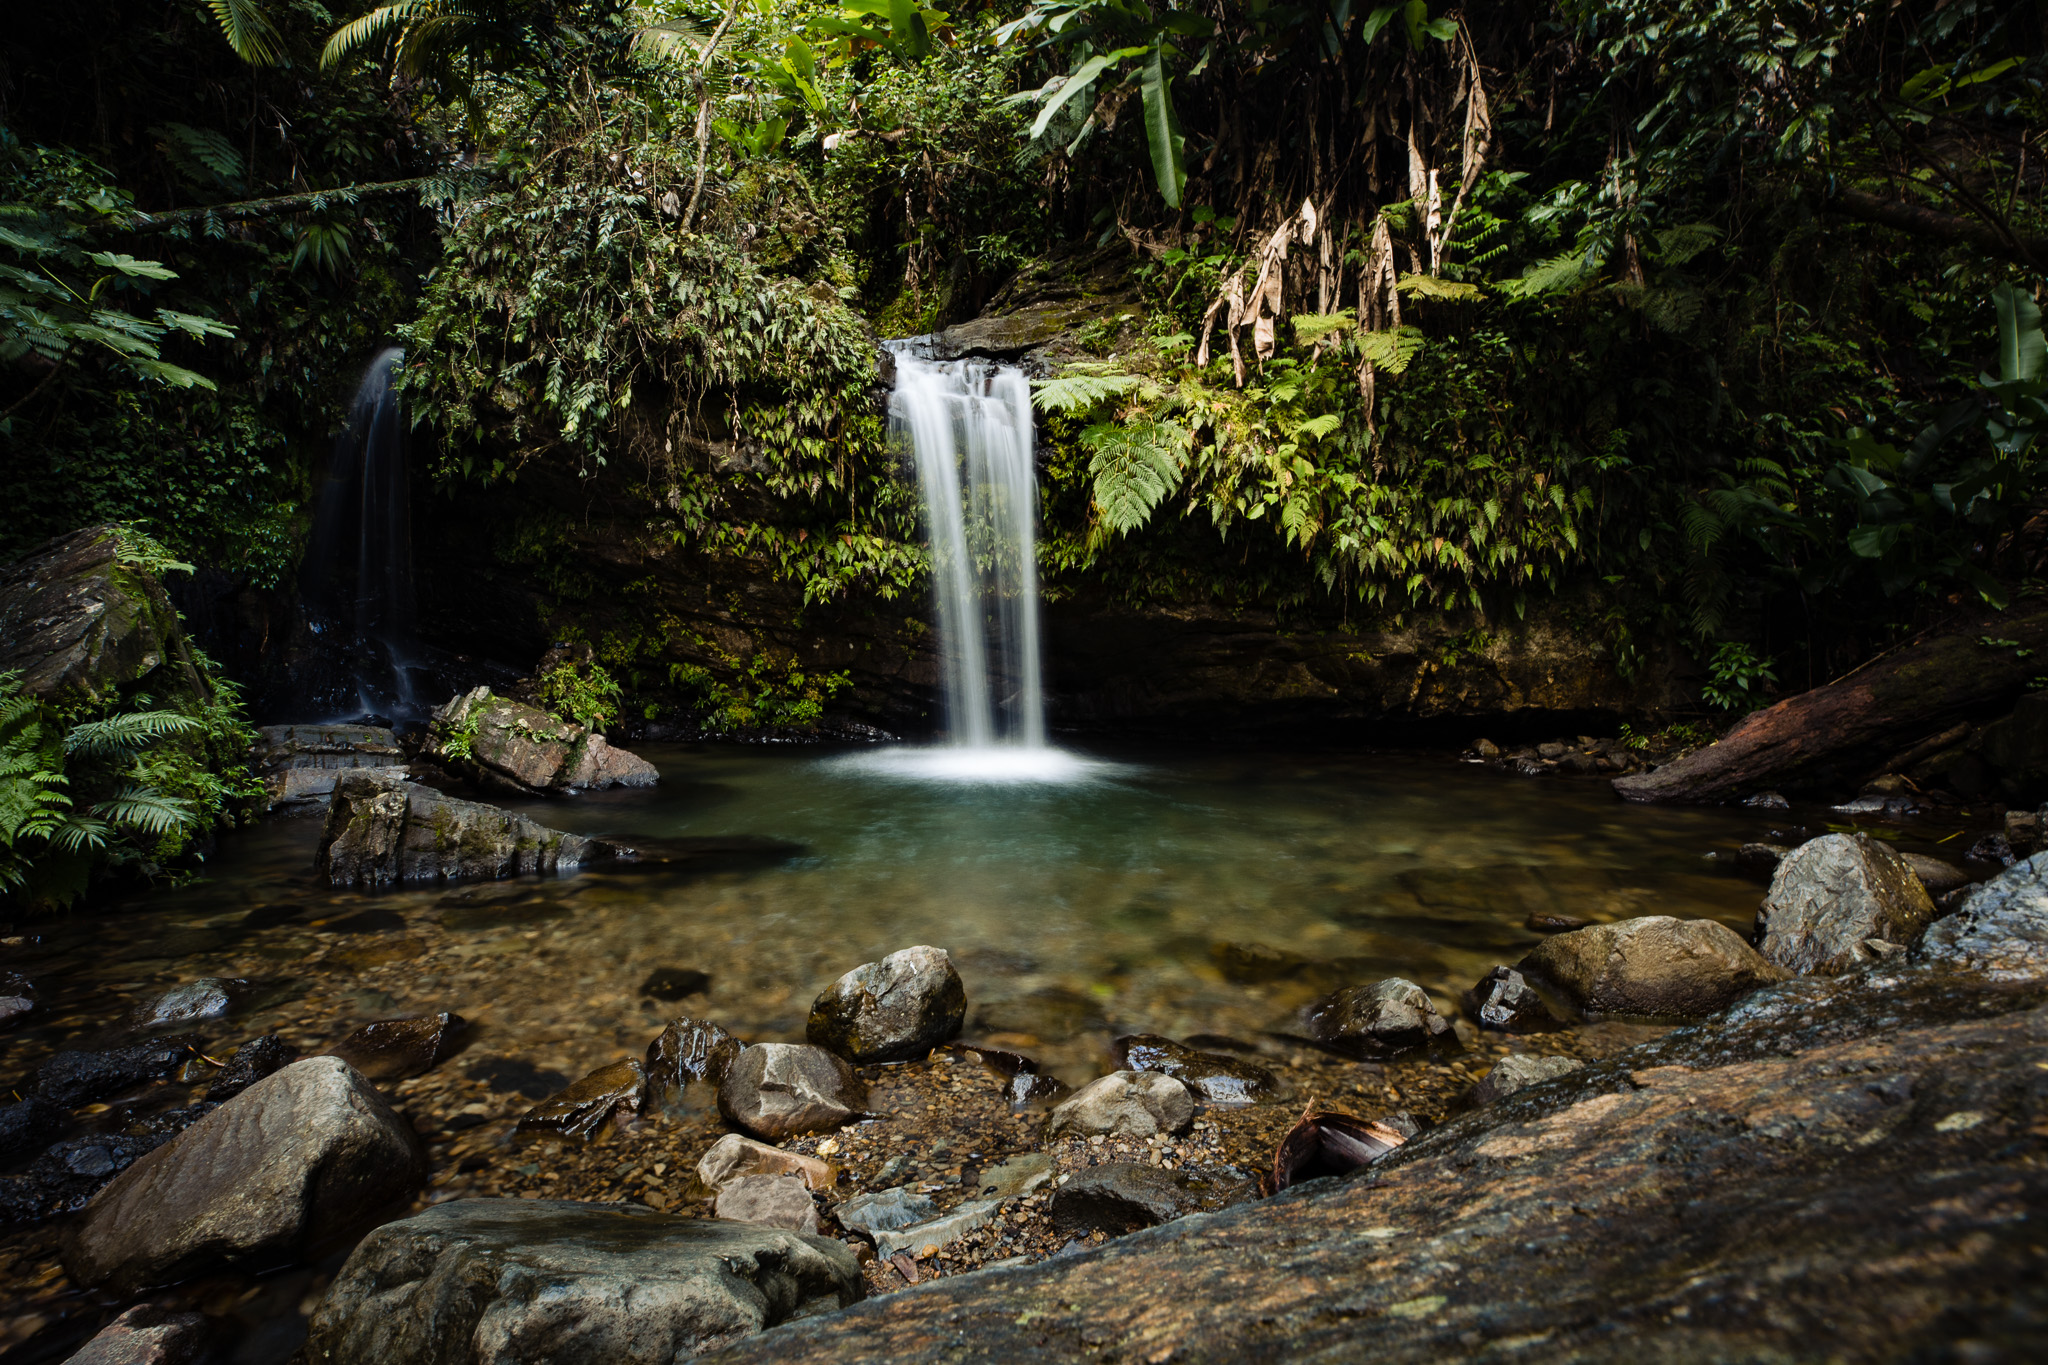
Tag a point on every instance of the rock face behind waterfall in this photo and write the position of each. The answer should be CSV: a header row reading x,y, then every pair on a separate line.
x,y
522,749
80,624
383,830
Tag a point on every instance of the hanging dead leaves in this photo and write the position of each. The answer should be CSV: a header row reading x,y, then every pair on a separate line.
x,y
1329,1144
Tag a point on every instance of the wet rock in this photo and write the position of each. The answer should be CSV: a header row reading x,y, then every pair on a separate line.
x,y
210,997
1214,1077
733,1157
1992,848
885,1211
66,1176
1830,896
81,625
1123,1196
1937,876
383,830
1502,1000
1384,1019
689,1056
17,999
252,1061
1654,966
1767,801
894,1010
1761,858
301,1156
570,1284
515,1075
581,1110
1018,1175
776,1201
300,763
393,1049
922,1239
70,1079
675,983
146,1335
511,745
1518,1071
28,1124
2002,927
1554,924
1124,1104
783,1090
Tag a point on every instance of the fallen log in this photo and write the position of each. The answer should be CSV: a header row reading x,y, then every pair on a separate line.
x,y
1835,734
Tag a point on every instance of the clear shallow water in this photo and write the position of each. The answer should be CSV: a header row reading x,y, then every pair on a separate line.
x,y
1076,910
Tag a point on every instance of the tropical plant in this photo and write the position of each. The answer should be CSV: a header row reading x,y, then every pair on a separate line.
x,y
585,693
1736,677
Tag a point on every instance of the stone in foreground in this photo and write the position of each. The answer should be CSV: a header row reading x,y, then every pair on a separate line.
x,y
1214,1077
580,1112
1384,1019
778,1091
146,1335
383,830
1655,966
1124,1104
1519,1071
1503,1001
2002,927
733,1157
1123,1196
1833,895
532,1280
303,1155
895,1010
686,1060
776,1201
922,1239
887,1211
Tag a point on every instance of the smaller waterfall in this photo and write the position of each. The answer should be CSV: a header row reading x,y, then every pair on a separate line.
x,y
357,579
969,425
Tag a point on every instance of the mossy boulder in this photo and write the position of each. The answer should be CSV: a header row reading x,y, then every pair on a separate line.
x,y
512,746
383,830
85,621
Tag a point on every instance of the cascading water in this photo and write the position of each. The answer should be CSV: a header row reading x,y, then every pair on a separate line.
x,y
358,578
968,423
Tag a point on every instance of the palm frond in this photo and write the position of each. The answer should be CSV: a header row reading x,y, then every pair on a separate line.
x,y
351,38
248,31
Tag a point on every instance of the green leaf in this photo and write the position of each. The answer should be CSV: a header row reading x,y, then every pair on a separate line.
x,y
2019,336
128,265
1136,466
1376,21
1162,126
1074,85
1435,287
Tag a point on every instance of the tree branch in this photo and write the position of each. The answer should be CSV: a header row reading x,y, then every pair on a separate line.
x,y
1921,221
263,208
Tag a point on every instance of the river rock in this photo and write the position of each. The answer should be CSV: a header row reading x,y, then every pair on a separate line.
x,y
922,1239
1518,1071
394,1049
299,1157
83,624
885,1211
776,1201
300,763
1653,966
253,1060
1214,1077
733,1157
1937,876
1122,1196
2002,927
675,983
70,1079
28,1124
778,1091
894,1010
1384,1019
1503,1001
1833,894
1124,1104
383,830
210,997
688,1054
146,1335
17,998
580,1111
532,1280
522,748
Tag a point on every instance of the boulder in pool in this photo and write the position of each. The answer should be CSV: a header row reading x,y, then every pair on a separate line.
x,y
895,1010
570,1284
394,1049
383,830
252,1061
776,1201
733,1157
1123,1196
1832,896
1382,1020
1123,1104
193,1002
302,1156
1655,966
514,747
1502,1000
580,1111
146,1335
778,1091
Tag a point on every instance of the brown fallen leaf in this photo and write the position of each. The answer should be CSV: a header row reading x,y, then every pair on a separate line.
x,y
1329,1144
906,1267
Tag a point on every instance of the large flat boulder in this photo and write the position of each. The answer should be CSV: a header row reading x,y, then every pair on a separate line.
x,y
1832,897
505,1280
82,621
383,830
520,748
301,762
2002,927
302,1156
1653,966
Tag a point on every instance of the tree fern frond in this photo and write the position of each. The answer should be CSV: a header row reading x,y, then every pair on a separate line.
x,y
1136,467
351,38
144,810
126,734
248,31
80,832
1080,388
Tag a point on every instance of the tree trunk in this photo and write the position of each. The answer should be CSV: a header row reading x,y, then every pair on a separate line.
x,y
261,208
1836,734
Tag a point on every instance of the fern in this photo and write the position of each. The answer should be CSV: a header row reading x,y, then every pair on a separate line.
x,y
1435,287
1545,277
1081,387
1136,466
138,549
125,735
201,155
145,810
1392,349
1309,328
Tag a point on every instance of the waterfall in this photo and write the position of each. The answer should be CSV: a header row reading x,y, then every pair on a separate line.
x,y
968,423
357,579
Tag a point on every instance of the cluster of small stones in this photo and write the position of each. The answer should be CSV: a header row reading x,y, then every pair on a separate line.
x,y
1582,755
